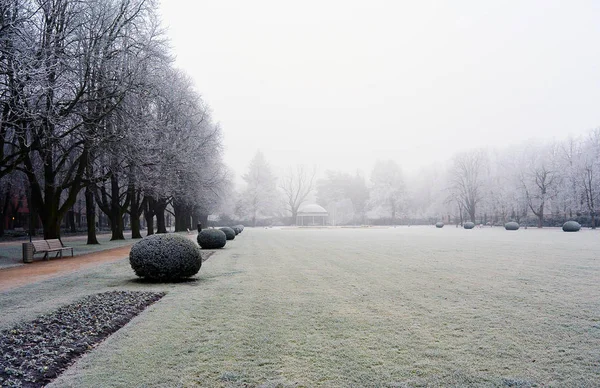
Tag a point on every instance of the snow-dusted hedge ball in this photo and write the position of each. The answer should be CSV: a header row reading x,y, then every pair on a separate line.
x,y
165,257
439,224
240,227
571,226
236,230
469,225
511,226
229,233
212,239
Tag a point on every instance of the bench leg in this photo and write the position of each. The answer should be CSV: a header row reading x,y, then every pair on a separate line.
x,y
46,256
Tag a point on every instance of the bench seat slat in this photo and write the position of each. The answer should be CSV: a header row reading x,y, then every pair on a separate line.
x,y
40,245
54,244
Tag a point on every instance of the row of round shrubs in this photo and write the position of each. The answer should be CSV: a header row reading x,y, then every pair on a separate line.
x,y
217,238
168,257
569,226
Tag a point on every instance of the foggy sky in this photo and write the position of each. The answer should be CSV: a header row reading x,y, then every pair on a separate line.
x,y
340,84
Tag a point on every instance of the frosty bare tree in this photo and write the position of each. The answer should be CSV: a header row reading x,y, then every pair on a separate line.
x,y
88,99
259,199
539,177
466,180
426,194
589,173
388,190
61,48
296,185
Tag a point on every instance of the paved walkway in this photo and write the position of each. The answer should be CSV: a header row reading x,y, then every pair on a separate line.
x,y
45,269
42,270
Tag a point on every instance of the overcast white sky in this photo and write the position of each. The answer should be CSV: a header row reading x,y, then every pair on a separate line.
x,y
341,84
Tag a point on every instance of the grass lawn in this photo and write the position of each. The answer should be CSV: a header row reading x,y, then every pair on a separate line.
x,y
394,307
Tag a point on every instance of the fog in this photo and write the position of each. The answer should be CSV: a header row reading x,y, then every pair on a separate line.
x,y
341,84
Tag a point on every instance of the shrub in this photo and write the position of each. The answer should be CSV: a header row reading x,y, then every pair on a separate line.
x,y
229,233
236,229
165,257
469,225
240,227
571,226
439,225
511,226
212,239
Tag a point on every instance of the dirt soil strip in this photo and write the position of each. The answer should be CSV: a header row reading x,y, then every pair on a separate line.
x,y
42,270
36,352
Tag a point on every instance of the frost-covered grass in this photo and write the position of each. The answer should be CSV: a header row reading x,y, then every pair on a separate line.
x,y
354,307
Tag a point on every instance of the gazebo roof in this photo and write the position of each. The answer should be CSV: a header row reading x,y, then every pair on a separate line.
x,y
312,209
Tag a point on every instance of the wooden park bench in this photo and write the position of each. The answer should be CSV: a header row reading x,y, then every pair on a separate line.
x,y
48,246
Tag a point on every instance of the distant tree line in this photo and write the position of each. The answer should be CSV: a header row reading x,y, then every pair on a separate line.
x,y
540,183
91,105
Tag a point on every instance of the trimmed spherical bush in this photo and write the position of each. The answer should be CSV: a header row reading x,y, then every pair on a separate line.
x,y
511,226
240,227
469,225
165,257
229,233
439,225
212,239
571,226
236,230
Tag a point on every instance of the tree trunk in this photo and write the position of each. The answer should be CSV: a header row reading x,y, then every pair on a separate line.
x,y
203,219
195,220
5,209
294,216
159,211
116,228
150,224
182,217
71,221
472,215
116,213
90,212
51,225
149,215
161,226
134,213
539,214
135,226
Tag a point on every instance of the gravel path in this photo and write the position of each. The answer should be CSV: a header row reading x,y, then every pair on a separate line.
x,y
42,270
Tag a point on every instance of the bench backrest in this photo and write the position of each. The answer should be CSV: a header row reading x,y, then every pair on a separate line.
x,y
40,245
54,244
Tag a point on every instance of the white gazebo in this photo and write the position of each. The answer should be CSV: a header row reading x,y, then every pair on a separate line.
x,y
311,215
